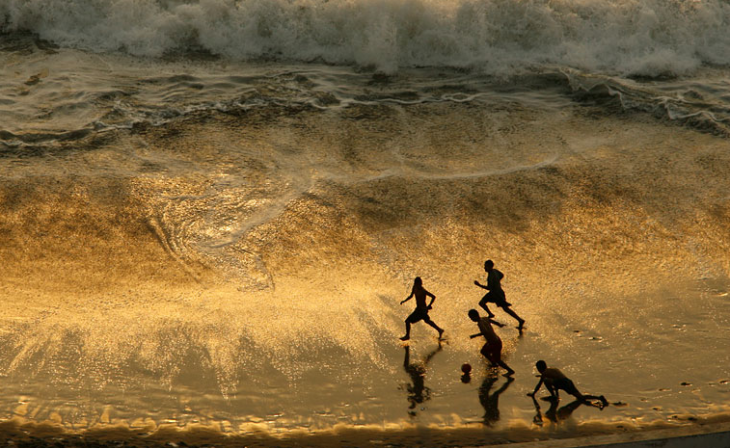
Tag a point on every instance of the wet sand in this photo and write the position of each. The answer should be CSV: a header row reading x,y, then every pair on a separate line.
x,y
247,266
712,435
714,432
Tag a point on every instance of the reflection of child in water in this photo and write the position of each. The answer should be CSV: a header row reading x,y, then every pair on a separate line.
x,y
555,380
417,391
554,414
490,401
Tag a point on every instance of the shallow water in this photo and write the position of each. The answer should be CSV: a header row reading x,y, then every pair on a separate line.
x,y
204,241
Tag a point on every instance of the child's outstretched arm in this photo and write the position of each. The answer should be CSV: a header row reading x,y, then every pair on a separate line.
x,y
413,292
499,324
476,282
537,388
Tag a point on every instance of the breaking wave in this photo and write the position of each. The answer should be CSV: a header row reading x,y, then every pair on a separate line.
x,y
646,37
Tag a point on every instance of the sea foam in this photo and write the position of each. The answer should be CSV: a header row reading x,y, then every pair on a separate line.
x,y
639,37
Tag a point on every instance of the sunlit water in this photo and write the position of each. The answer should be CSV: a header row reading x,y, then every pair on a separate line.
x,y
203,241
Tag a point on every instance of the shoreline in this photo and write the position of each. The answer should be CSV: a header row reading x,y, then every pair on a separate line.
x,y
714,431
711,435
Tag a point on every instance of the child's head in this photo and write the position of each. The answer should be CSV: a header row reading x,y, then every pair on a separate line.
x,y
474,315
417,282
488,265
541,366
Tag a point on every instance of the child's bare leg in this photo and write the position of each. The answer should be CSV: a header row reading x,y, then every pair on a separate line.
x,y
506,367
509,311
485,352
483,304
408,331
433,324
553,390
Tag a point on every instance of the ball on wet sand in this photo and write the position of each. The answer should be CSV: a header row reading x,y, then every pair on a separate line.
x,y
466,368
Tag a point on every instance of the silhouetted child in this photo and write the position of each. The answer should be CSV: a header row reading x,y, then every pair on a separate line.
x,y
555,380
496,294
421,311
492,350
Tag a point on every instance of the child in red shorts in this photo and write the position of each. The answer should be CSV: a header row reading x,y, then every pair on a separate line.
x,y
492,350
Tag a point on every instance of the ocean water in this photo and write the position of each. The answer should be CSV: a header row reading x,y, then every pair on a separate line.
x,y
211,209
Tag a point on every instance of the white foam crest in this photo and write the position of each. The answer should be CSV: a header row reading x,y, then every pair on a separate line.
x,y
498,36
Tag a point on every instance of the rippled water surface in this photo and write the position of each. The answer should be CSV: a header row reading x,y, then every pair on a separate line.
x,y
202,242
